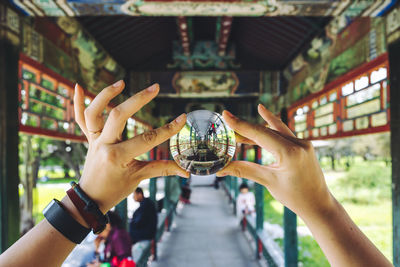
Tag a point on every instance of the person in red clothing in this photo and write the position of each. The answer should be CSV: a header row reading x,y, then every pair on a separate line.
x,y
114,240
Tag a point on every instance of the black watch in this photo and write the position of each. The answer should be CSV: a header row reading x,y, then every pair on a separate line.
x,y
59,218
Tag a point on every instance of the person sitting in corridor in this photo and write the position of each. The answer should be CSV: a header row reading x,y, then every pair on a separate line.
x,y
143,225
245,202
113,244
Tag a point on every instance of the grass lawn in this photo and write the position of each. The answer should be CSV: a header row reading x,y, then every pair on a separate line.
x,y
376,223
55,174
374,219
42,196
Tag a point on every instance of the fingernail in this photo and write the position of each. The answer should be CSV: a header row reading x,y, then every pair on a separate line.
x,y
180,118
152,88
76,86
229,114
117,84
262,107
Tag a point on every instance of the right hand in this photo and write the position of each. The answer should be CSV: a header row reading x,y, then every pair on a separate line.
x,y
296,179
111,171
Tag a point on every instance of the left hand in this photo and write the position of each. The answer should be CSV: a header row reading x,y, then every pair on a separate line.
x,y
111,171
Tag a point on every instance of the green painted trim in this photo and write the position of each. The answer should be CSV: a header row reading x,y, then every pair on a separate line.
x,y
394,55
122,210
259,194
167,196
9,123
289,224
153,189
290,238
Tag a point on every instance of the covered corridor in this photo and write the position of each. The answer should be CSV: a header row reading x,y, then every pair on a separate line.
x,y
206,233
328,69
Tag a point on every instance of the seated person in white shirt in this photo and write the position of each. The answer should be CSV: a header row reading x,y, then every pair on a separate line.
x,y
245,203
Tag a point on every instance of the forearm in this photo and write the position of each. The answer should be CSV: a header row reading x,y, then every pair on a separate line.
x,y
41,246
341,240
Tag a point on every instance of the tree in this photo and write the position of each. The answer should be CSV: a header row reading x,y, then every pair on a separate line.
x,y
373,146
36,152
72,155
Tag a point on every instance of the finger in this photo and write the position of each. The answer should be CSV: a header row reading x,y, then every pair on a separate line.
x,y
274,122
158,168
79,108
94,112
249,170
119,115
261,135
243,140
144,142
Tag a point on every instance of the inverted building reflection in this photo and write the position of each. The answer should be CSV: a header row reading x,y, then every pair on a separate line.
x,y
205,144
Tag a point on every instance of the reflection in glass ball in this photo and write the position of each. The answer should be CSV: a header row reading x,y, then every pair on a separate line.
x,y
205,144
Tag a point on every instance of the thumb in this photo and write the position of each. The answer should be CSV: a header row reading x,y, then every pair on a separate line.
x,y
158,168
249,170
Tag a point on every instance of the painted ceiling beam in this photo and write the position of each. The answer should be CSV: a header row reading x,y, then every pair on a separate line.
x,y
224,25
217,8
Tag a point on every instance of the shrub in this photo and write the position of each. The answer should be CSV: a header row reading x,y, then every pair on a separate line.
x,y
366,182
310,254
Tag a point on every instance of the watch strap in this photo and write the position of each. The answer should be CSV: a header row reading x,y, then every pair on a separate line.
x,y
59,218
88,209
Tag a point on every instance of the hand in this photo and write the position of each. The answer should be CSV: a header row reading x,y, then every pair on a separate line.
x,y
111,172
98,241
296,179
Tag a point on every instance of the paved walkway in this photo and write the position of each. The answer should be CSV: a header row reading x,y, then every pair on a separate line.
x,y
207,234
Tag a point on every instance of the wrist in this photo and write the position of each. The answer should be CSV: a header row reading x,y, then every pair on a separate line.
x,y
73,211
323,208
90,192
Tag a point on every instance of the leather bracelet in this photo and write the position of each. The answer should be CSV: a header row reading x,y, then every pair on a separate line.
x,y
88,209
59,218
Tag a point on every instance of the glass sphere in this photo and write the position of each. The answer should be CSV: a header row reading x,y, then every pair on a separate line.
x,y
205,144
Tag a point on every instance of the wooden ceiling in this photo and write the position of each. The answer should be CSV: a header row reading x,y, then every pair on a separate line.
x,y
146,43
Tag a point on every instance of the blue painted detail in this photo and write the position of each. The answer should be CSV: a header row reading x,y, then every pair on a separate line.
x,y
91,7
387,8
19,7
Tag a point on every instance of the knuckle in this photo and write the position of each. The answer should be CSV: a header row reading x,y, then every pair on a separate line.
x,y
79,120
165,172
308,145
258,128
115,112
149,137
293,150
237,172
109,91
111,154
169,128
88,112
